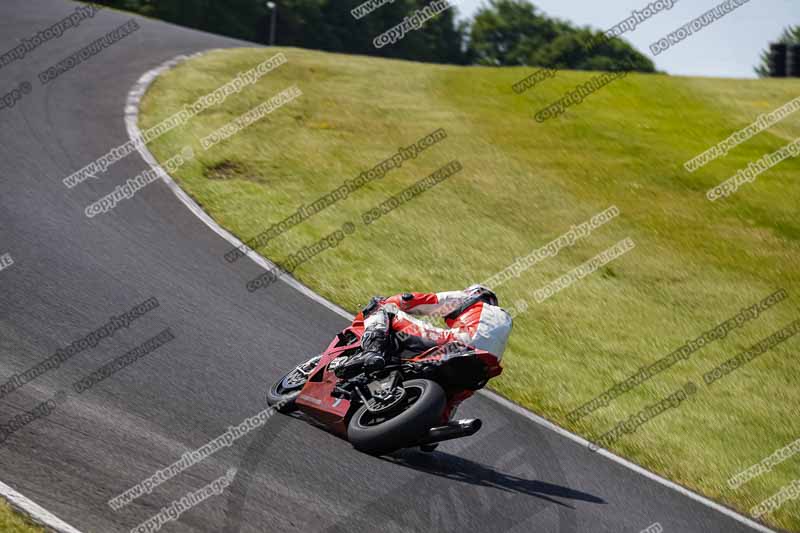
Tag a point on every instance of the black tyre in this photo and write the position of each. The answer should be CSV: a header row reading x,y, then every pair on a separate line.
x,y
285,391
421,410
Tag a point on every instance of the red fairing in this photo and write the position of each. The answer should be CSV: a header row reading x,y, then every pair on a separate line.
x,y
316,400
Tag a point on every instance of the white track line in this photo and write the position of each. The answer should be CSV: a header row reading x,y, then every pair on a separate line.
x,y
131,123
35,512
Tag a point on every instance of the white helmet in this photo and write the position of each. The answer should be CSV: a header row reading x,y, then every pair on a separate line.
x,y
482,293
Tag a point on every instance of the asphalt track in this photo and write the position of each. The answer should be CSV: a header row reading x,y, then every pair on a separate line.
x,y
71,273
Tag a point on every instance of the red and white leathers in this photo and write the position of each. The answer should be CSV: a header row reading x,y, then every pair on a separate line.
x,y
470,323
480,325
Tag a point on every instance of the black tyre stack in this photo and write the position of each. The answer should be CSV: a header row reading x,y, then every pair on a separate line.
x,y
793,61
784,60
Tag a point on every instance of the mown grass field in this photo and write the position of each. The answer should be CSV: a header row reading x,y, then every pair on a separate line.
x,y
11,522
695,263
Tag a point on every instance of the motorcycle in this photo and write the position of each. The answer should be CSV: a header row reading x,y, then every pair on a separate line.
x,y
408,403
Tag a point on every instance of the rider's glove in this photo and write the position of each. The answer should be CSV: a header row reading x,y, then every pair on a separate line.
x,y
373,304
364,362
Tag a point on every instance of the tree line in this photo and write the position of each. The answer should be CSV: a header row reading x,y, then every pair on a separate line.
x,y
502,32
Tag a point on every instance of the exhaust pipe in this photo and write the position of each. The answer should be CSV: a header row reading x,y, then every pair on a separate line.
x,y
453,430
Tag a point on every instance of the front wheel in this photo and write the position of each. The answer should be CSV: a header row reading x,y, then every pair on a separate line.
x,y
285,391
377,433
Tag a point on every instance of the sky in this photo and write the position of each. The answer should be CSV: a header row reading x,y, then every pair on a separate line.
x,y
728,48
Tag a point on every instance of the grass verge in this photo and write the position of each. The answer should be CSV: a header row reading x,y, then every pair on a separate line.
x,y
11,522
695,263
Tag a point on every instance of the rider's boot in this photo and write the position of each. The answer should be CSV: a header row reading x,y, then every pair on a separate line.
x,y
374,346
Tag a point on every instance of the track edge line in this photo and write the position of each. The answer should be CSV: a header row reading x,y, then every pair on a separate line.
x,y
35,512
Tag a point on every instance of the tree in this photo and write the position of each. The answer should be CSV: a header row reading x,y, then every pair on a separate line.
x,y
318,24
514,32
790,35
330,26
507,32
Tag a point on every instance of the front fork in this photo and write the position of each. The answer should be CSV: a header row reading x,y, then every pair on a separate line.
x,y
375,398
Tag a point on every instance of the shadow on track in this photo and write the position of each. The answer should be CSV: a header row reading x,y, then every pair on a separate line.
x,y
448,492
464,470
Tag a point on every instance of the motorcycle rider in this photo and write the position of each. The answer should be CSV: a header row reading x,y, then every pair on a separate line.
x,y
472,315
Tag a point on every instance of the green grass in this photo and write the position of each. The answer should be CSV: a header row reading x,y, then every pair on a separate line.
x,y
695,264
11,522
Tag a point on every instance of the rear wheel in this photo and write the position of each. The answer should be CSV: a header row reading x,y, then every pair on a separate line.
x,y
285,391
402,425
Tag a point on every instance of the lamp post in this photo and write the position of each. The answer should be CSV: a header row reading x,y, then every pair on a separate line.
x,y
274,9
